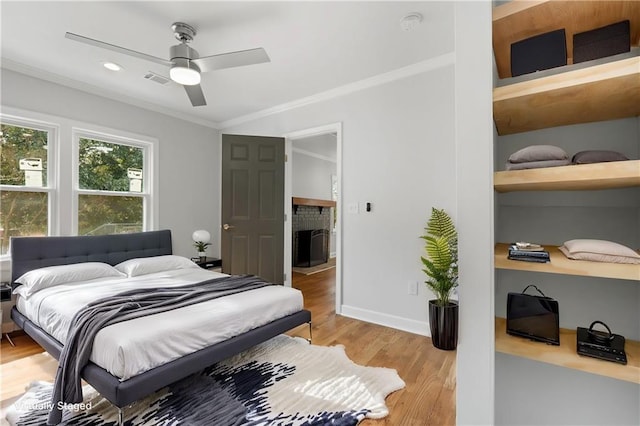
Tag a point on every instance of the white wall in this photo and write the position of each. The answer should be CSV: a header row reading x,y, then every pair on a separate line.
x,y
474,177
398,154
410,145
311,176
189,181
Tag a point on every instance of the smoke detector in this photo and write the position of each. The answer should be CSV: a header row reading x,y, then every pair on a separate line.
x,y
410,21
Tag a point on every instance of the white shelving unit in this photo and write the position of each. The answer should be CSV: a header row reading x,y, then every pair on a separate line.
x,y
597,93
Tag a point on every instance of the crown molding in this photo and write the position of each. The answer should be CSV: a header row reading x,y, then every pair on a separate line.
x,y
377,80
89,88
314,155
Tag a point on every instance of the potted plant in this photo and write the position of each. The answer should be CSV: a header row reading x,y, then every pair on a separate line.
x,y
201,240
201,247
441,267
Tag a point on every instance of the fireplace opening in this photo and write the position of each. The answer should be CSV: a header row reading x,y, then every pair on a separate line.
x,y
311,247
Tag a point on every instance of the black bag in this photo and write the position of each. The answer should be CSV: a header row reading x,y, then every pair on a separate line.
x,y
541,52
601,42
534,317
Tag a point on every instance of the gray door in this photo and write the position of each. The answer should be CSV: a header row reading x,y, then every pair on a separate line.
x,y
253,206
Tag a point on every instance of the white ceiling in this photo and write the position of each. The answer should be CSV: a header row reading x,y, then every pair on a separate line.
x,y
313,46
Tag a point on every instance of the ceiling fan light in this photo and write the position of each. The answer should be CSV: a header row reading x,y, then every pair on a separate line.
x,y
185,73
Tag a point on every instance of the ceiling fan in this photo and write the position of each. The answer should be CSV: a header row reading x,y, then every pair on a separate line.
x,y
185,63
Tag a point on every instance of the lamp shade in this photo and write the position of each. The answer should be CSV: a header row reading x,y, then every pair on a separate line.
x,y
185,72
201,236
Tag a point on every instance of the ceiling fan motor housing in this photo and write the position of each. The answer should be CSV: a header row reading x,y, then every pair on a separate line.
x,y
182,51
184,71
182,56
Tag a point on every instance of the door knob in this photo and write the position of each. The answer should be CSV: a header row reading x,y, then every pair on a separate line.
x,y
226,226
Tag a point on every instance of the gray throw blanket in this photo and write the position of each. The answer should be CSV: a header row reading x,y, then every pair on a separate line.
x,y
122,307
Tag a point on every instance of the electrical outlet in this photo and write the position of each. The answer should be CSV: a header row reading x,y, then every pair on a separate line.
x,y
412,288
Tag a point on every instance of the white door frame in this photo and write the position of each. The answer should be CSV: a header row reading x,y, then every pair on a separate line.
x,y
288,175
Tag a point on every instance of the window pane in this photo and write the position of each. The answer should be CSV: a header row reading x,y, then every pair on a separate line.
x,y
22,143
104,214
22,214
106,166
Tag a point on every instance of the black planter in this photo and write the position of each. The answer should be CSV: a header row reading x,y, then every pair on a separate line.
x,y
443,321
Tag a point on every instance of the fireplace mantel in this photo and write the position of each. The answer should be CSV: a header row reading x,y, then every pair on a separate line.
x,y
300,201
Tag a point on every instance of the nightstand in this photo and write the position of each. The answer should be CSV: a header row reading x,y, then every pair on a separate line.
x,y
5,311
210,263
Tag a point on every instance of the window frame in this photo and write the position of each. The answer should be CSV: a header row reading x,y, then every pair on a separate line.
x,y
62,186
149,207
51,188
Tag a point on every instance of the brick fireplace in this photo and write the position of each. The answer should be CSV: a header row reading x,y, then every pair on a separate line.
x,y
310,228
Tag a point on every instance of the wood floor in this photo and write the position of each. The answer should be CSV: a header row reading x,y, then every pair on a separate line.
x,y
429,374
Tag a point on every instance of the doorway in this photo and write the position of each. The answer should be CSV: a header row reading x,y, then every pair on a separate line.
x,y
319,146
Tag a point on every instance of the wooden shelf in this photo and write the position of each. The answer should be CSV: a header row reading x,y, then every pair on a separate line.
x,y
617,174
601,92
559,264
518,20
320,204
565,355
299,201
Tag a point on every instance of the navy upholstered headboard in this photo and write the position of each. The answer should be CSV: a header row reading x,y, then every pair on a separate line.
x,y
29,253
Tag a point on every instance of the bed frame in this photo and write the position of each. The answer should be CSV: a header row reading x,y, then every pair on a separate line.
x,y
29,253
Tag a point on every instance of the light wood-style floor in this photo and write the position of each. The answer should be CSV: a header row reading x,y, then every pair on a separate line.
x,y
429,374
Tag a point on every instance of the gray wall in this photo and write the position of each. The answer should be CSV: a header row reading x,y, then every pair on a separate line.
x,y
189,181
533,393
529,392
311,176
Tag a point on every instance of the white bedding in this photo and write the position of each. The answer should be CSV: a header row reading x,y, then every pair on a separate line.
x,y
132,347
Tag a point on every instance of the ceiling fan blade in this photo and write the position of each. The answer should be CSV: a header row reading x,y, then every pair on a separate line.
x,y
232,59
195,95
102,44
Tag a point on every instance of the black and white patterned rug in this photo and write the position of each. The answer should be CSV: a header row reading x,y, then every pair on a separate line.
x,y
284,381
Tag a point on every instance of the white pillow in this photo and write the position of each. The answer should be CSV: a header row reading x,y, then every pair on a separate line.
x,y
599,251
50,276
149,265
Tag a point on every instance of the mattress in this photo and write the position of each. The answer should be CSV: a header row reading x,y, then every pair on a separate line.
x,y
132,347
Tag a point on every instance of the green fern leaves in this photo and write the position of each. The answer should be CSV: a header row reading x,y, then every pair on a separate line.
x,y
441,263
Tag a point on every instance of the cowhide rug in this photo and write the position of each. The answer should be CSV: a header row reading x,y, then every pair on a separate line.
x,y
284,381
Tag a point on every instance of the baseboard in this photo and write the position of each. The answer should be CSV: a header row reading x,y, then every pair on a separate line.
x,y
404,324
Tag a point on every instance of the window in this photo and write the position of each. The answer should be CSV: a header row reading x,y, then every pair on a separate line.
x,y
59,179
25,189
112,197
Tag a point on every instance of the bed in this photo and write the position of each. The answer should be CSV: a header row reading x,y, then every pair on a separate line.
x,y
121,387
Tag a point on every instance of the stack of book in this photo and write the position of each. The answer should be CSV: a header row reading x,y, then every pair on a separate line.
x,y
528,252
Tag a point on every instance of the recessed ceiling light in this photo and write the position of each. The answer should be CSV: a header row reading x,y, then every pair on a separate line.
x,y
112,66
410,21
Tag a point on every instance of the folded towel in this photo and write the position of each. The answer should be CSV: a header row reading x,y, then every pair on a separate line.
x,y
537,164
597,156
538,153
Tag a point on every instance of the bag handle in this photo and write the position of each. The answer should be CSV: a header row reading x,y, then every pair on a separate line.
x,y
598,336
532,285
